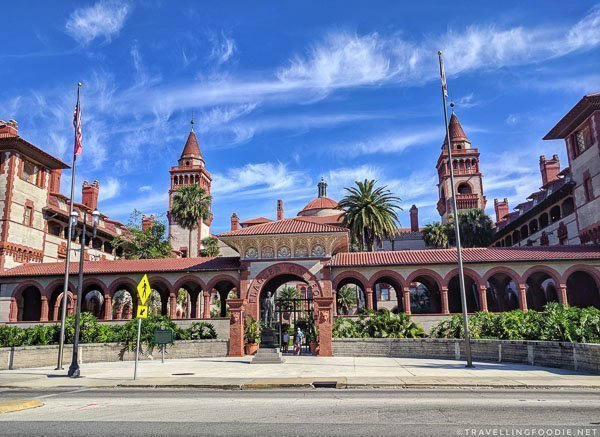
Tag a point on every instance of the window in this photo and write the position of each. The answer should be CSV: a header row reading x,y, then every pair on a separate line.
x,y
581,141
28,216
588,188
30,172
384,293
464,188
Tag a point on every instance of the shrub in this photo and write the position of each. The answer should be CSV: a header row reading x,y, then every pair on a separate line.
x,y
11,336
201,331
88,328
41,335
149,325
556,323
381,324
251,330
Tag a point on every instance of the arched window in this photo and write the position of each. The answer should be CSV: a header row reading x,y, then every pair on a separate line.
x,y
555,213
543,220
533,226
568,207
524,231
464,188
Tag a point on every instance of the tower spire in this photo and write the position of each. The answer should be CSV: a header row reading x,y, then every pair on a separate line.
x,y
322,187
192,121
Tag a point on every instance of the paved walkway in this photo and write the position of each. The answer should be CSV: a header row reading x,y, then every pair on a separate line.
x,y
302,372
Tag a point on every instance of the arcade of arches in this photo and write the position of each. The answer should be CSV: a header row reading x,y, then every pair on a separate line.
x,y
237,287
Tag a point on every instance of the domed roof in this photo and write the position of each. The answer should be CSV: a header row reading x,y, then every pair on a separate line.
x,y
321,203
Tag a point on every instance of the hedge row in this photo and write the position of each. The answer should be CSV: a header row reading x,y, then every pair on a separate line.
x,y
93,332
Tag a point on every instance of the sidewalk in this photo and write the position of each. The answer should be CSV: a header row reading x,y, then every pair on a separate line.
x,y
301,372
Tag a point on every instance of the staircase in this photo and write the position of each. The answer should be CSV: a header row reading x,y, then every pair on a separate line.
x,y
270,355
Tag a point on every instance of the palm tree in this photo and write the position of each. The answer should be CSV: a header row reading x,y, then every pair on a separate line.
x,y
370,213
211,247
435,235
190,205
288,292
346,297
476,229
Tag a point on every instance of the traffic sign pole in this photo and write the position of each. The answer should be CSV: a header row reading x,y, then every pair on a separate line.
x,y
137,349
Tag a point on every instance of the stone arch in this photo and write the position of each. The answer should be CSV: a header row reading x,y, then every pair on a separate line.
x,y
128,285
54,292
582,277
472,282
425,290
164,289
223,284
350,274
464,187
280,269
94,304
542,284
393,279
500,295
27,302
194,287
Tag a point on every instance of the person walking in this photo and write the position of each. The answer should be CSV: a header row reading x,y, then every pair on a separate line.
x,y
286,341
298,342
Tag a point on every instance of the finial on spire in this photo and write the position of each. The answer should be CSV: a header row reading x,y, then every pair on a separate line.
x,y
192,121
452,105
322,188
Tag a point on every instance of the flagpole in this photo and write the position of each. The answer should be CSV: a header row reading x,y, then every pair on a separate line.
x,y
65,298
461,274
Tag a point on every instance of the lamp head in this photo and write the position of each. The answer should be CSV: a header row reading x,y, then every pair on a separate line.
x,y
95,217
74,217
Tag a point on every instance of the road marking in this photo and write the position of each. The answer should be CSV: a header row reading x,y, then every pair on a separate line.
x,y
62,393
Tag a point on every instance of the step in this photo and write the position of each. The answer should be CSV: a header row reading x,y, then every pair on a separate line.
x,y
267,356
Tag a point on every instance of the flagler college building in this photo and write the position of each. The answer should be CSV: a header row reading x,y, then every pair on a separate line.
x,y
310,249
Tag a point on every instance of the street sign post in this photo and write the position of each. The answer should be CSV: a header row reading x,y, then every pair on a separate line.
x,y
144,290
163,337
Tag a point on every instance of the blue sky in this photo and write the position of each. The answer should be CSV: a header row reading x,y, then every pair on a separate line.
x,y
287,92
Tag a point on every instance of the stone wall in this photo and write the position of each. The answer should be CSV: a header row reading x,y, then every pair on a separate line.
x,y
583,357
41,356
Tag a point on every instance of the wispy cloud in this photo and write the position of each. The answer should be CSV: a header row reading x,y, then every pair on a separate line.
x,y
103,19
223,47
393,142
110,188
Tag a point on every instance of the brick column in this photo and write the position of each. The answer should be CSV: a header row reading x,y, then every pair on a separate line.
x,y
236,328
406,297
108,310
206,305
44,312
324,311
369,298
562,294
13,312
522,294
444,300
334,303
483,306
173,309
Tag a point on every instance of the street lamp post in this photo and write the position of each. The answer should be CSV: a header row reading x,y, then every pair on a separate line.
x,y
74,371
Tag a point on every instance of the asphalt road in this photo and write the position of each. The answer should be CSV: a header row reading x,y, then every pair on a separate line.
x,y
322,412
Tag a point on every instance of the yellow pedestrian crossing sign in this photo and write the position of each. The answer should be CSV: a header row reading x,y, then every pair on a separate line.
x,y
142,311
144,290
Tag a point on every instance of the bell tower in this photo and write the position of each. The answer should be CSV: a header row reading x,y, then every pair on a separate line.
x,y
189,170
467,176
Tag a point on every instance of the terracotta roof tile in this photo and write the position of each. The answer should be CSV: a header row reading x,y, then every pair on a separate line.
x,y
126,266
287,226
256,221
191,148
321,203
473,255
335,220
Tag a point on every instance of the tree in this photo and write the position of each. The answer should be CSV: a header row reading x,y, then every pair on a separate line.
x,y
346,297
370,213
190,205
288,292
476,229
211,247
139,244
435,235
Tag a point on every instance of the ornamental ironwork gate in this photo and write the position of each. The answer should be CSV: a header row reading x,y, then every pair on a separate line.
x,y
291,314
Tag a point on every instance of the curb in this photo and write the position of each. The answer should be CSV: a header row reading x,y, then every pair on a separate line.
x,y
19,405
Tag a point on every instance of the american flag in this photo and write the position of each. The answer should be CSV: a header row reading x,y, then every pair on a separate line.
x,y
77,124
444,86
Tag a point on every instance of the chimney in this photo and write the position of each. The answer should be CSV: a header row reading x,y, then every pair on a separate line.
x,y
550,168
147,222
235,222
89,194
280,210
501,208
55,180
9,128
414,218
